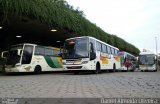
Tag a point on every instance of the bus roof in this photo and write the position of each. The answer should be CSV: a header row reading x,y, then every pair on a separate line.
x,y
146,53
124,52
24,44
94,39
38,45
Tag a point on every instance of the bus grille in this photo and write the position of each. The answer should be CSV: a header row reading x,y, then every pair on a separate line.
x,y
74,67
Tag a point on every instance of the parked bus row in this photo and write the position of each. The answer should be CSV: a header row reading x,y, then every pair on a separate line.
x,y
78,54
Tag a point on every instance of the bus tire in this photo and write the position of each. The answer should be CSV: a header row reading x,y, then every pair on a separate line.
x,y
98,68
155,70
37,70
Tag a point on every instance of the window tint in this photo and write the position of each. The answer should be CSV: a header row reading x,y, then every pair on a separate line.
x,y
104,48
27,54
48,52
56,52
81,47
98,46
116,52
108,50
39,50
112,49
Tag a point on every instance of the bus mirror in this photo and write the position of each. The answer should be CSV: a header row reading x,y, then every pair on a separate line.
x,y
4,54
92,55
18,64
155,58
19,51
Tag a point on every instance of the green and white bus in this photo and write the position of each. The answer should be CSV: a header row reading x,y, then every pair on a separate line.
x,y
89,54
32,58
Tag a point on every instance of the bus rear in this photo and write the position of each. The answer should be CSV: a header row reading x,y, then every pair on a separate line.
x,y
128,61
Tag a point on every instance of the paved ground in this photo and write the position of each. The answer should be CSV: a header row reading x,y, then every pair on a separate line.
x,y
68,85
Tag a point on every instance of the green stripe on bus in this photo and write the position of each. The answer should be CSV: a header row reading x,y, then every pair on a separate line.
x,y
55,61
50,62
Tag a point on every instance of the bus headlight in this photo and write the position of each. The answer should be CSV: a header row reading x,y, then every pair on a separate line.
x,y
18,64
63,63
84,62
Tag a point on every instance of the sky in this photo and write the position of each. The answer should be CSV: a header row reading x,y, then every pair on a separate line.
x,y
135,21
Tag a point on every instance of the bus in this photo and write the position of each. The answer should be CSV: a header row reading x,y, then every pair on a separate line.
x,y
158,61
89,54
147,61
28,57
128,61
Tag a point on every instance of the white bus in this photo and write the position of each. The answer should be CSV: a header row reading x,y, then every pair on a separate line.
x,y
32,58
89,53
147,61
128,61
158,61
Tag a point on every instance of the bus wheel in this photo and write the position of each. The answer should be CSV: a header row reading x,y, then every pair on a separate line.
x,y
114,68
141,70
155,70
37,70
98,69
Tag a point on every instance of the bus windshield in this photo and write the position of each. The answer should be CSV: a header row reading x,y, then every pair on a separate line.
x,y
13,58
75,48
147,59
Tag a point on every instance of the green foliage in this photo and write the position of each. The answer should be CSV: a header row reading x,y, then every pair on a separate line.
x,y
60,14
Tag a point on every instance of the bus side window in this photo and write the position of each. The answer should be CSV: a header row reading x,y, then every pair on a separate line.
x,y
109,50
39,50
48,52
112,49
104,48
98,46
115,52
56,53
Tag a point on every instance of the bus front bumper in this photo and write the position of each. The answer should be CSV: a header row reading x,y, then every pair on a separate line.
x,y
11,70
77,67
147,68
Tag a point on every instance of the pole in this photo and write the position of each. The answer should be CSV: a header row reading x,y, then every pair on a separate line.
x,y
156,44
